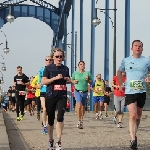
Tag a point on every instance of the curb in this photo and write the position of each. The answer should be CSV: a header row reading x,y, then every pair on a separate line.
x,y
16,140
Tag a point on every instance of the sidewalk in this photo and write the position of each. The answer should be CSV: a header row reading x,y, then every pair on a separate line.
x,y
4,143
96,135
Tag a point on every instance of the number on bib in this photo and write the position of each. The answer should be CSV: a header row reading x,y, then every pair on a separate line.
x,y
136,84
59,87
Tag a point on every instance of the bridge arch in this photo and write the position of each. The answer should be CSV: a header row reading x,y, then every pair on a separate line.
x,y
38,12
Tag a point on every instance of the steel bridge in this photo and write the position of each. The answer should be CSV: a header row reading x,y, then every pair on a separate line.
x,y
56,18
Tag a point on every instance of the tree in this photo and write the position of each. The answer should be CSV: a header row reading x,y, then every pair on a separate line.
x,y
148,85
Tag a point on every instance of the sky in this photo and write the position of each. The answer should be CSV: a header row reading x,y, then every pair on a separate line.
x,y
29,39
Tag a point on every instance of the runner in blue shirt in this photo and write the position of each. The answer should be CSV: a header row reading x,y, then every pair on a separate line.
x,y
42,88
136,68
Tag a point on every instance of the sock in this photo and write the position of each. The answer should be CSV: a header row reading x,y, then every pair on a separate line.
x,y
45,126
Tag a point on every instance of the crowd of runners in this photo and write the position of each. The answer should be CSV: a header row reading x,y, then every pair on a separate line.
x,y
47,91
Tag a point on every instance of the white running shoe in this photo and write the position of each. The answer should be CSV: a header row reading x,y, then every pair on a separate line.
x,y
119,125
100,116
114,120
58,146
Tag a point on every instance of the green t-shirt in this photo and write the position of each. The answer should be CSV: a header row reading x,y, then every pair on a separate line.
x,y
82,84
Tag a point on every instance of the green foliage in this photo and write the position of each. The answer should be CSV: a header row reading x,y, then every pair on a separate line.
x,y
148,86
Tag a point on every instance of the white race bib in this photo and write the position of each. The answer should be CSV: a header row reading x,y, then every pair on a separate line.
x,y
136,84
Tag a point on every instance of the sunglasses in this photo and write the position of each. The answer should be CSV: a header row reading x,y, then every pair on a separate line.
x,y
59,56
48,59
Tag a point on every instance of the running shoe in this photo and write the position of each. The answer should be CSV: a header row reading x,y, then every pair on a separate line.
x,y
100,116
97,116
58,146
133,145
51,145
38,116
21,117
45,130
78,124
106,115
119,125
18,119
114,120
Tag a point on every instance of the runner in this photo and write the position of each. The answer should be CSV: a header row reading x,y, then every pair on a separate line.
x,y
136,68
20,81
13,98
119,99
108,92
30,97
98,87
10,99
55,77
42,88
5,102
37,94
81,79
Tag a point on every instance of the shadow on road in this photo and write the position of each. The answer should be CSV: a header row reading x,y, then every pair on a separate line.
x,y
16,140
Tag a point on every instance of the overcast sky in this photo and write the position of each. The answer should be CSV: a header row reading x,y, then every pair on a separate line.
x,y
29,39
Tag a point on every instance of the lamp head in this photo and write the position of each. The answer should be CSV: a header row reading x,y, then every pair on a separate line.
x,y
10,18
6,50
96,21
3,68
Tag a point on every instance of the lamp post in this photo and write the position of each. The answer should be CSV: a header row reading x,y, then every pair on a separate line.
x,y
10,18
2,81
3,68
73,67
96,21
74,51
6,50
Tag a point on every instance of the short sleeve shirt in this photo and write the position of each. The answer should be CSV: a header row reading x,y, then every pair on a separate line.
x,y
136,71
56,88
43,87
18,79
116,90
82,84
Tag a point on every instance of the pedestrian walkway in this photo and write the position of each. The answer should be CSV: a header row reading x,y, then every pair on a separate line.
x,y
4,143
96,135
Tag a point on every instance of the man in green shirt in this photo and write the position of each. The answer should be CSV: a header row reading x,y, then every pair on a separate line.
x,y
81,79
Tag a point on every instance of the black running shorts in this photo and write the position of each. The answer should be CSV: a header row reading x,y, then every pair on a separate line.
x,y
137,97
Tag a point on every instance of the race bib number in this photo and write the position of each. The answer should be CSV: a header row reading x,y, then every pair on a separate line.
x,y
59,87
136,84
13,95
99,89
22,93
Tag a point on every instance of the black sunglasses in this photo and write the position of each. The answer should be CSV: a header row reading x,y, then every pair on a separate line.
x,y
59,56
48,59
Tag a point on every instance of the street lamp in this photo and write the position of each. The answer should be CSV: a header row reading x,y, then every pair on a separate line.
x,y
3,68
75,51
6,50
2,81
10,18
96,21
